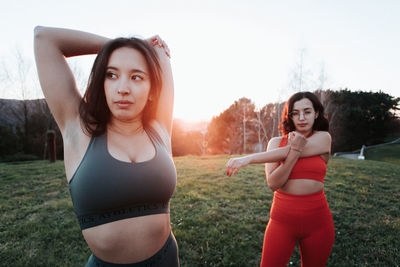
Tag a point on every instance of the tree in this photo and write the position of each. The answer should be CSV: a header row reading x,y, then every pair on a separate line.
x,y
186,143
300,75
234,131
79,75
355,119
270,116
15,78
9,142
39,120
360,118
34,117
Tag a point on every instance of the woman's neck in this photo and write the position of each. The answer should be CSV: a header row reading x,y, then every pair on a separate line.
x,y
126,128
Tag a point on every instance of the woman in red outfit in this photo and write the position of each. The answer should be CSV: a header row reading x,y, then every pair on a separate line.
x,y
295,170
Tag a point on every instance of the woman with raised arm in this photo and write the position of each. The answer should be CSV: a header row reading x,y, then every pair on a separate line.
x,y
117,142
295,170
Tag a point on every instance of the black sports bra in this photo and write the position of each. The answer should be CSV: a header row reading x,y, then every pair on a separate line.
x,y
104,189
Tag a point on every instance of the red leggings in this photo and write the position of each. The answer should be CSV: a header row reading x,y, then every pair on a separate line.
x,y
306,219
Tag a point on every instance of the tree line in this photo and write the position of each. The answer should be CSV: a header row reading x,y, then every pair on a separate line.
x,y
356,119
24,125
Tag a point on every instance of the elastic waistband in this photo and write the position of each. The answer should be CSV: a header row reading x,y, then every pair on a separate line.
x,y
313,196
154,260
309,211
299,203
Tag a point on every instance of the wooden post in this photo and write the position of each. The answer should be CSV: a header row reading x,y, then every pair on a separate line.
x,y
51,145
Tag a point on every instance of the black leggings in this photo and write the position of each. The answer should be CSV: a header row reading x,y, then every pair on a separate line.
x,y
167,256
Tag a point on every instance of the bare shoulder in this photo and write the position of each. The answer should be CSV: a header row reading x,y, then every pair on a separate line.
x,y
321,137
274,142
322,134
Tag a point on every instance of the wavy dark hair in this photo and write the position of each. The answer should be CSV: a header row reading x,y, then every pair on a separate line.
x,y
321,122
93,108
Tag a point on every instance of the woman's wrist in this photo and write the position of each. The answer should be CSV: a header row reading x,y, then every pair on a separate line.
x,y
296,149
247,160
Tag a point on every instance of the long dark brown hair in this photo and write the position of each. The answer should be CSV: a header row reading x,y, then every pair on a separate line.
x,y
93,108
321,122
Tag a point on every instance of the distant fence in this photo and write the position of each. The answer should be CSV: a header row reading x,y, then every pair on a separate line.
x,y
359,153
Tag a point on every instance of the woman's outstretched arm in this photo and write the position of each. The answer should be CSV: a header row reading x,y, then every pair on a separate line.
x,y
272,155
52,46
317,144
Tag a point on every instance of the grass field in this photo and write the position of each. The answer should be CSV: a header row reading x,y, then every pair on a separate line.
x,y
387,153
217,221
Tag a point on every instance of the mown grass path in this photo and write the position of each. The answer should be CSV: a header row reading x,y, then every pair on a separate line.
x,y
217,221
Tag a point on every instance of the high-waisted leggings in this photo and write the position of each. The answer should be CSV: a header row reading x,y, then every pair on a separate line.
x,y
306,219
167,256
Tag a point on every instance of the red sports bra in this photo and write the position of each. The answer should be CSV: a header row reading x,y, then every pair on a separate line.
x,y
313,168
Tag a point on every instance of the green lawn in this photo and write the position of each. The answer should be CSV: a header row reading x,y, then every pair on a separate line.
x,y
388,153
217,221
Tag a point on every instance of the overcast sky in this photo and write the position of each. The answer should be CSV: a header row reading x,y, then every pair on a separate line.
x,y
225,50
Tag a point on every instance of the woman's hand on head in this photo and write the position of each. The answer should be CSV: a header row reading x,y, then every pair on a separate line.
x,y
234,164
297,140
158,42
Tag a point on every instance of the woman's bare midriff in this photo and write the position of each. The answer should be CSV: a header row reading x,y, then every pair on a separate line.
x,y
301,186
129,240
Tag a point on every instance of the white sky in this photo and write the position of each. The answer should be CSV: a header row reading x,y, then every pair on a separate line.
x,y
223,50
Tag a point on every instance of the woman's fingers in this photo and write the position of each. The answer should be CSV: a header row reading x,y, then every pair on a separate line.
x,y
157,41
232,167
166,48
297,140
228,167
154,40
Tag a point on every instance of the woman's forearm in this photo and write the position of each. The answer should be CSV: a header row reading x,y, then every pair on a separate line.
x,y
317,144
278,177
69,42
275,155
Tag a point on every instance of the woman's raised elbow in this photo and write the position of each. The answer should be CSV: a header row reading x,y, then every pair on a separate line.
x,y
39,32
